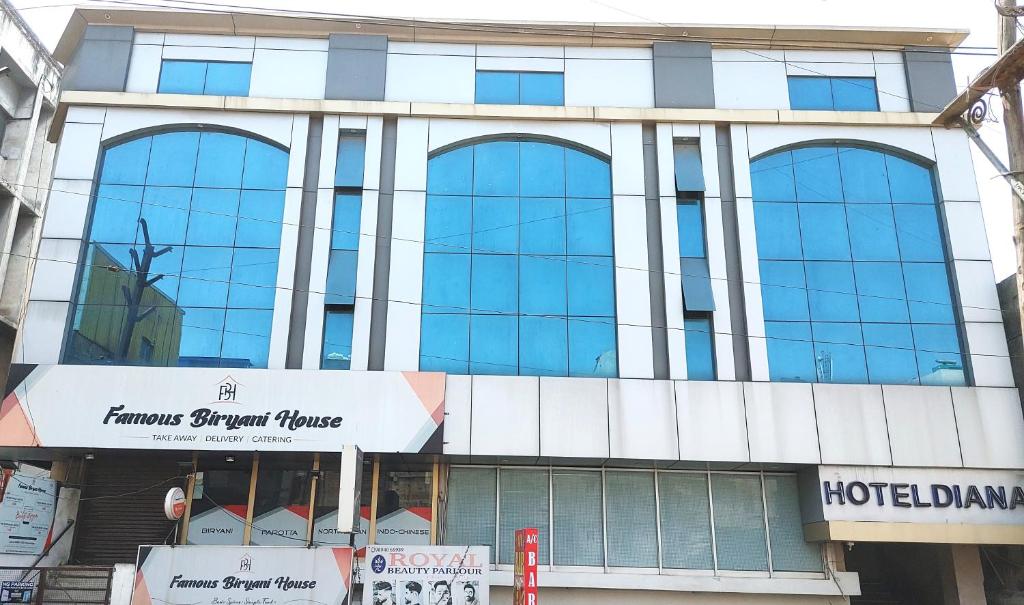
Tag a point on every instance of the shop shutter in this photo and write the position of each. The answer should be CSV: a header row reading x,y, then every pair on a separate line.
x,y
122,506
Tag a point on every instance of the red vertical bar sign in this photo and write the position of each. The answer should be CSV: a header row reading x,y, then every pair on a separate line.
x,y
524,589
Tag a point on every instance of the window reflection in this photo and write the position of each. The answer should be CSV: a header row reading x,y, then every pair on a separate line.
x,y
853,274
182,253
220,500
518,275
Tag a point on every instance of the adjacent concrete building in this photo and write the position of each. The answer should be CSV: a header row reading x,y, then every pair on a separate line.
x,y
711,307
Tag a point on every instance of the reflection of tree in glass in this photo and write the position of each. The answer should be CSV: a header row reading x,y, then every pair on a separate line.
x,y
133,294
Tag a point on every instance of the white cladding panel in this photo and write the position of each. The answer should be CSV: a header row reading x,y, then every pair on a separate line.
x,y
922,427
458,400
737,73
67,208
302,73
851,424
990,427
56,265
506,416
780,423
430,78
640,419
712,422
581,405
42,332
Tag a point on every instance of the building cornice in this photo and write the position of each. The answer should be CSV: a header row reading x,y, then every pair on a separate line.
x,y
320,25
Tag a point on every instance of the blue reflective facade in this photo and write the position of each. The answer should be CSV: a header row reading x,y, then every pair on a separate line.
x,y
833,93
853,269
205,78
182,252
520,88
518,272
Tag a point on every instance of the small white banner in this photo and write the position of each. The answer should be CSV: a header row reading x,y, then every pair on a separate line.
x,y
426,575
26,514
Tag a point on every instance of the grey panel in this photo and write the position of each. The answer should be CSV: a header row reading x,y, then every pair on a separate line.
x,y
382,258
358,41
304,248
101,60
656,276
683,75
930,78
733,267
697,294
356,66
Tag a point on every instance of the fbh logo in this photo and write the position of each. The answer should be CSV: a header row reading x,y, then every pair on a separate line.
x,y
378,564
227,390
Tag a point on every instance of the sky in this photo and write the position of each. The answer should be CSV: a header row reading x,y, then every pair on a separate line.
x,y
48,18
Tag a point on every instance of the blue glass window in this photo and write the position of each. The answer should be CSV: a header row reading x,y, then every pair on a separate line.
x,y
201,292
343,259
520,88
700,349
833,93
518,276
337,350
205,78
854,280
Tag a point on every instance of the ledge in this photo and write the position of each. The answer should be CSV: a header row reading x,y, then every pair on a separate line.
x,y
71,98
840,584
923,533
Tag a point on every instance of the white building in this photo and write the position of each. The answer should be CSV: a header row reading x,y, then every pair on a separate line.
x,y
702,304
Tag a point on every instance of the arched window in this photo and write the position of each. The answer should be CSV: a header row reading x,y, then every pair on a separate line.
x,y
181,260
517,269
853,269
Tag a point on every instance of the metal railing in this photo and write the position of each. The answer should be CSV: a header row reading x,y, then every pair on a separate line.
x,y
66,584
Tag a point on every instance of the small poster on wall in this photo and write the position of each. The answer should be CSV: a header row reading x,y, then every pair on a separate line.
x,y
26,514
426,575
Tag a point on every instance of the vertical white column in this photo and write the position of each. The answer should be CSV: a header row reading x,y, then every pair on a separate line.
x,y
405,283
670,253
46,315
313,345
632,285
367,244
714,229
288,251
748,254
969,254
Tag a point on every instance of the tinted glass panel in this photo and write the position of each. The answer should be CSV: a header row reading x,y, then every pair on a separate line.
x,y
810,93
541,89
700,353
855,94
689,171
500,87
211,272
202,77
182,77
337,349
862,257
833,93
690,220
228,79
518,277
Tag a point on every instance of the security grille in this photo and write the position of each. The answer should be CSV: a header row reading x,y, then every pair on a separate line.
x,y
43,586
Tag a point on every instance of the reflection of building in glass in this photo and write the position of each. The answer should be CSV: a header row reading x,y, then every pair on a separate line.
x,y
97,332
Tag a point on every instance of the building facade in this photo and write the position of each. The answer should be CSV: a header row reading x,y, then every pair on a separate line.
x,y
710,307
29,85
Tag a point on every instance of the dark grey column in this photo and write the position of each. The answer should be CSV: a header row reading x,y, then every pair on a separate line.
x,y
683,75
356,64
304,247
930,78
733,267
382,258
655,260
101,60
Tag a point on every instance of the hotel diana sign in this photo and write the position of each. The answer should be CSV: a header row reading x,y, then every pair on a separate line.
x,y
913,495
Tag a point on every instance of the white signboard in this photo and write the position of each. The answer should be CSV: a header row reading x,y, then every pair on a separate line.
x,y
426,575
26,514
913,495
218,409
219,575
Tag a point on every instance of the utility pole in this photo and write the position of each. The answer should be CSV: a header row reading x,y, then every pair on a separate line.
x,y
1013,121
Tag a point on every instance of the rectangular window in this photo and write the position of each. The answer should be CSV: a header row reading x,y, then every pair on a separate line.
x,y
220,500
700,348
520,88
707,521
523,494
472,507
337,350
205,78
833,93
280,508
342,261
632,519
